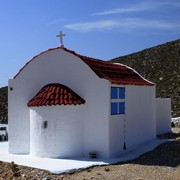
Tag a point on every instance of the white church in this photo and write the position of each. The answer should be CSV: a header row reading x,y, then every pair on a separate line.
x,y
66,105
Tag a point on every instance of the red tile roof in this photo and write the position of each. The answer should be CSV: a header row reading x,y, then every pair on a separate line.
x,y
55,94
115,73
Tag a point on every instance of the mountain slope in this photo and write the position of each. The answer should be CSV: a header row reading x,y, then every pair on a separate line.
x,y
161,65
3,104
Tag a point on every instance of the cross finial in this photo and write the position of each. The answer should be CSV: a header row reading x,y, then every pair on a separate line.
x,y
60,35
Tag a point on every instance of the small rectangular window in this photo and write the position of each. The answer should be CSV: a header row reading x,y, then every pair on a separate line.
x,y
117,100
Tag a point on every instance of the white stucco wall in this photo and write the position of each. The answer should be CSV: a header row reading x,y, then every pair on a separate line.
x,y
163,115
18,119
59,66
63,137
140,115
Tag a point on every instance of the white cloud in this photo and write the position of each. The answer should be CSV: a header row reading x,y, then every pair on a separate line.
x,y
163,23
135,8
89,26
142,6
126,23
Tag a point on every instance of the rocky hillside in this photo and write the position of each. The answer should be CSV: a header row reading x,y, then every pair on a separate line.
x,y
161,65
3,105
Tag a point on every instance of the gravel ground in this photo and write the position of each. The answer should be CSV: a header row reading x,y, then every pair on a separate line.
x,y
163,163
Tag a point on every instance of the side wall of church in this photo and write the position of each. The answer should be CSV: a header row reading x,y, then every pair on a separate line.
x,y
138,123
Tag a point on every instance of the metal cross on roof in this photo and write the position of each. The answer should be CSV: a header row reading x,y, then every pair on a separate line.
x,y
60,35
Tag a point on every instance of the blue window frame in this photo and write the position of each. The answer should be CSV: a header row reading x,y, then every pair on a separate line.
x,y
117,100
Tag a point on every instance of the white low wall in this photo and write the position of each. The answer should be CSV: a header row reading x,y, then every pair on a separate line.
x,y
163,115
140,115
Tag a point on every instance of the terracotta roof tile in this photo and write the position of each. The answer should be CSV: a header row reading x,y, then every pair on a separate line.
x,y
55,94
115,73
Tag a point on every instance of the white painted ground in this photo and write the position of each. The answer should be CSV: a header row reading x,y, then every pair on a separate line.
x,y
64,165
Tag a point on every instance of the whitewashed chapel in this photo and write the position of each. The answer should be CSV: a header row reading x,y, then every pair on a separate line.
x,y
65,105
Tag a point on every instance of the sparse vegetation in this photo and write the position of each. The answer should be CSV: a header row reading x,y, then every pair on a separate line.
x,y
3,105
161,65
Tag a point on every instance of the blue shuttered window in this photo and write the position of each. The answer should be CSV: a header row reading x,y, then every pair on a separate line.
x,y
117,100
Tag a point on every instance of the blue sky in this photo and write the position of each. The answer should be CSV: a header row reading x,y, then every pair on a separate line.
x,y
103,29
